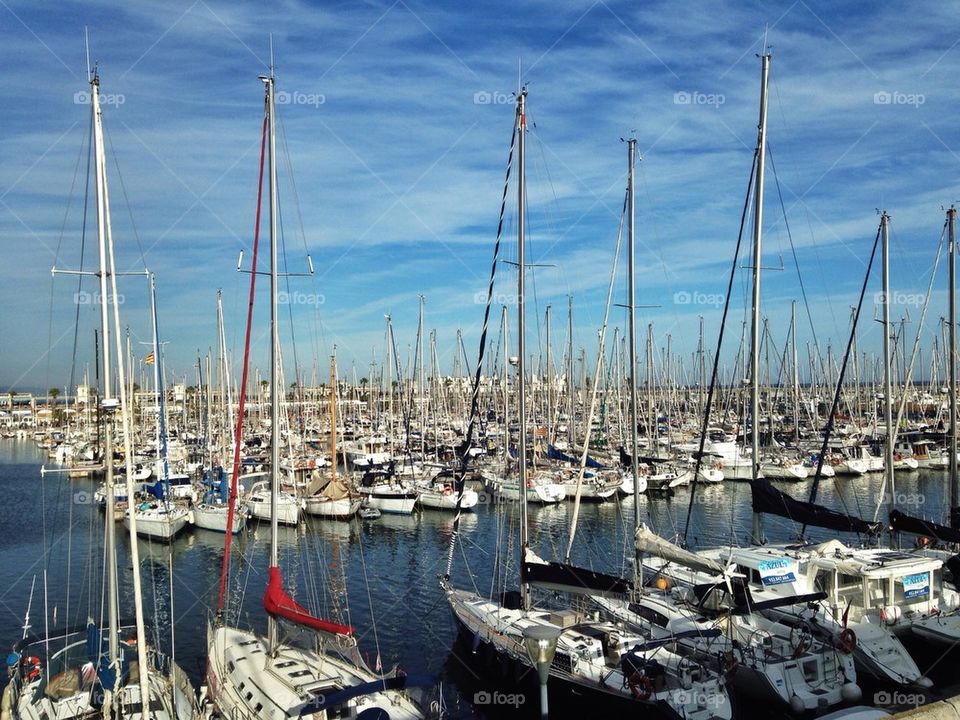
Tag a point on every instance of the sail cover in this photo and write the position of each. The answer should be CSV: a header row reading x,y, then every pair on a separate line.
x,y
652,544
569,578
554,454
767,499
908,524
279,604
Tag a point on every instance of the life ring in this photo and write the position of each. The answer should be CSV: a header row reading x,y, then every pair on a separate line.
x,y
923,541
529,483
640,686
313,463
847,641
447,490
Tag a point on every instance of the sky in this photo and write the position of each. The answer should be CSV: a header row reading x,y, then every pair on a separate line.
x,y
394,126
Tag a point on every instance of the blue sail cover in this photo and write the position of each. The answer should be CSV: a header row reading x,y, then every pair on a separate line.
x,y
156,489
93,642
217,486
555,454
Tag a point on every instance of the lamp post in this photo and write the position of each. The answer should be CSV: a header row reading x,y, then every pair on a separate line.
x,y
541,642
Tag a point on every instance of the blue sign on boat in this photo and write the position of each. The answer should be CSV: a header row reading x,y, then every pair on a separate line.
x,y
777,571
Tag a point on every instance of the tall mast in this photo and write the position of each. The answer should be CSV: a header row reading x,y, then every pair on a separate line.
x,y
954,489
333,417
632,341
572,407
421,414
274,343
107,401
796,374
549,375
755,315
887,383
521,331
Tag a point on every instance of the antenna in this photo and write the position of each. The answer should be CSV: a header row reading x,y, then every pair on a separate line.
x,y
86,40
271,55
519,75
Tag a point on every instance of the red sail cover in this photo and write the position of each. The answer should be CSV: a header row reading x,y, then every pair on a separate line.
x,y
279,604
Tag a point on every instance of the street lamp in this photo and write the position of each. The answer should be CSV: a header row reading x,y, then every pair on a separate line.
x,y
541,642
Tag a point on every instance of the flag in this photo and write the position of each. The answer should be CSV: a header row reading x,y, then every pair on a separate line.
x,y
149,359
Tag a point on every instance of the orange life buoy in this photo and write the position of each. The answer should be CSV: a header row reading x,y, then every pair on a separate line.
x,y
847,641
447,490
640,686
313,463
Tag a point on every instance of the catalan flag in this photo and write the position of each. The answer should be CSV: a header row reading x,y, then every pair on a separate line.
x,y
149,360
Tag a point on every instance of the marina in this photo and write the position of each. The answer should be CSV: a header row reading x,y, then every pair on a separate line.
x,y
554,505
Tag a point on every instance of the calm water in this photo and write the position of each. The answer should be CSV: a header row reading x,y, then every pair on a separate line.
x,y
381,576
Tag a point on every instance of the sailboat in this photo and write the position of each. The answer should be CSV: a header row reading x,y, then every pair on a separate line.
x,y
251,675
327,495
597,662
89,672
212,512
160,519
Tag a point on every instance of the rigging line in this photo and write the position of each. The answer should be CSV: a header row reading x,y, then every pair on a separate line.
x,y
297,407
63,226
475,392
843,370
83,243
594,390
126,200
716,355
796,263
225,567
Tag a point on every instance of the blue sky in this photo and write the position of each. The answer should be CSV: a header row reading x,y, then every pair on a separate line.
x,y
397,128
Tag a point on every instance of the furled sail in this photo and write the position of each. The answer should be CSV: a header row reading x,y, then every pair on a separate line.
x,y
279,604
569,578
906,523
652,544
767,499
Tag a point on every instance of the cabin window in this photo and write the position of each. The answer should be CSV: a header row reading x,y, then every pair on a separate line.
x,y
230,666
876,594
845,582
650,615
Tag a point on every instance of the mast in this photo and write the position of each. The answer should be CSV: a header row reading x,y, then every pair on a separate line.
x,y
421,413
274,342
887,390
521,331
954,488
796,374
110,404
107,402
755,315
632,341
549,375
333,418
571,425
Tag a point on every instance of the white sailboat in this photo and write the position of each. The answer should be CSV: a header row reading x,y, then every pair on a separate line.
x,y
595,662
160,519
92,672
250,675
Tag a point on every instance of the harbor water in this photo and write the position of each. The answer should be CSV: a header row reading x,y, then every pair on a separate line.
x,y
381,576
